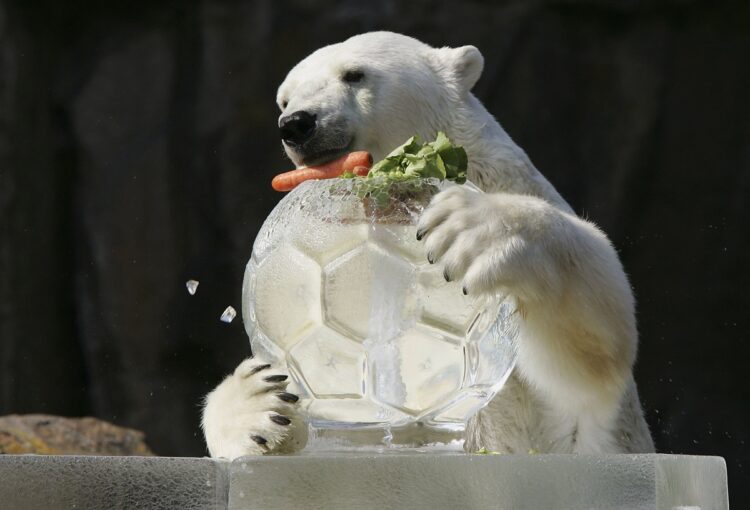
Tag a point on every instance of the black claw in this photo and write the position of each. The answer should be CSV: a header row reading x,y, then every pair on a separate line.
x,y
466,292
281,420
288,397
275,378
446,275
430,258
260,440
258,369
420,234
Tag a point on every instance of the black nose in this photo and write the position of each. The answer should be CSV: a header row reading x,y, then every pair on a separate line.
x,y
296,128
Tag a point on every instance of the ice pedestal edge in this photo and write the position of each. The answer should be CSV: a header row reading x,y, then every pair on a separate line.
x,y
366,481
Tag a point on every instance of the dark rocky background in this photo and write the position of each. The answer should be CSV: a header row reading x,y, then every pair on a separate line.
x,y
137,145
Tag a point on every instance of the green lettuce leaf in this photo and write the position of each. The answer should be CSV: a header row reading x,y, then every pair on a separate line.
x,y
439,159
414,159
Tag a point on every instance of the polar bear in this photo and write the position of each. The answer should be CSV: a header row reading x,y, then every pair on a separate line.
x,y
572,390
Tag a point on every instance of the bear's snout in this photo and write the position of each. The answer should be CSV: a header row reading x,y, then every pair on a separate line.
x,y
297,128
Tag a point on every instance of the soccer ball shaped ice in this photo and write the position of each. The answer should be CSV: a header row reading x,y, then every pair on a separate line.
x,y
339,289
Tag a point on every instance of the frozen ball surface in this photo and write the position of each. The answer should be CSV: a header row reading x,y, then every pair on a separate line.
x,y
340,290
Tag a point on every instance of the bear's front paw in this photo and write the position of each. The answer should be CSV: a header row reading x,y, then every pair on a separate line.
x,y
251,413
491,242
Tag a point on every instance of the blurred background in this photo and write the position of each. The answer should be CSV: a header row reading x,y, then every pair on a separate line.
x,y
137,145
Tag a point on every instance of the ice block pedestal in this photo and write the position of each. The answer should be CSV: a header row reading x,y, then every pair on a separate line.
x,y
56,482
461,481
394,480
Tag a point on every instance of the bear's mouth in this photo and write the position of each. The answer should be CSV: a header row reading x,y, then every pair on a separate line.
x,y
326,155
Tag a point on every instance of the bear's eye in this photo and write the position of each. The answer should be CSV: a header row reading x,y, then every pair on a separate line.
x,y
353,76
284,104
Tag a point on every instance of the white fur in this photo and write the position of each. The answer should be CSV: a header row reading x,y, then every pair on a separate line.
x,y
241,408
573,389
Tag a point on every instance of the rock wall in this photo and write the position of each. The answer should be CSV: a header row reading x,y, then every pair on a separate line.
x,y
43,434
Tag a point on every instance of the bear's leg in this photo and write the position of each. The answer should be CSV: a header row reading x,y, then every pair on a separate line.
x,y
508,424
251,413
577,338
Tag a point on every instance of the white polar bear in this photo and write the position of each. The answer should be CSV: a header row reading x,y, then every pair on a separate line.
x,y
572,390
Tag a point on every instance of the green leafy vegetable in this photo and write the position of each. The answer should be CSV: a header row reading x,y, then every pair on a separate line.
x,y
485,451
439,159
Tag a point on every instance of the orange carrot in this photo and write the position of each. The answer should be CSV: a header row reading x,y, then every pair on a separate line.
x,y
362,171
356,162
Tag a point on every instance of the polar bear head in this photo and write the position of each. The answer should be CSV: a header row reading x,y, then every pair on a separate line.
x,y
372,92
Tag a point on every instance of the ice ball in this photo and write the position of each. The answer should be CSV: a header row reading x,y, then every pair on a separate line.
x,y
339,289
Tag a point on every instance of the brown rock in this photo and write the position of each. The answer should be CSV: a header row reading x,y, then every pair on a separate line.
x,y
55,435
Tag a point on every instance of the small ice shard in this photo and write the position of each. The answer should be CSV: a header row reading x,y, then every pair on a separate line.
x,y
192,286
229,314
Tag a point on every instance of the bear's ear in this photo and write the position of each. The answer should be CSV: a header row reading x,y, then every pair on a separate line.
x,y
464,65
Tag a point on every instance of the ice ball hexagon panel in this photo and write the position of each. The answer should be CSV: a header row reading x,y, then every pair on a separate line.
x,y
287,295
248,298
330,365
363,412
301,217
444,304
393,297
346,292
401,240
315,237
264,349
367,292
491,345
415,371
454,414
